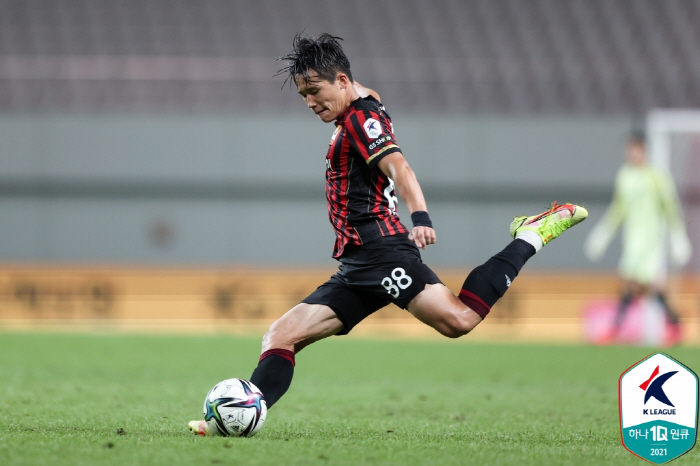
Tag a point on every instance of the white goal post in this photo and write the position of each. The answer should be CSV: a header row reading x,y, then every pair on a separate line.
x,y
673,144
661,125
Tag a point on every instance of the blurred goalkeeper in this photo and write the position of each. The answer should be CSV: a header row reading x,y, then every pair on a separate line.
x,y
646,202
379,256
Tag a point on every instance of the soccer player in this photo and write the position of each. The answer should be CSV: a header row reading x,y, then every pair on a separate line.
x,y
645,202
379,256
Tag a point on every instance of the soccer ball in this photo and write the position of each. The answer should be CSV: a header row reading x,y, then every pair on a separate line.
x,y
234,408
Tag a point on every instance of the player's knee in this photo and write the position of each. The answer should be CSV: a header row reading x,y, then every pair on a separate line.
x,y
276,337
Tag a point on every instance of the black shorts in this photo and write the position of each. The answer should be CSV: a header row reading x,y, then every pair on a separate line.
x,y
386,270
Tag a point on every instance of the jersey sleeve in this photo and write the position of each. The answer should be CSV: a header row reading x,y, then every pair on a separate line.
x,y
669,200
371,135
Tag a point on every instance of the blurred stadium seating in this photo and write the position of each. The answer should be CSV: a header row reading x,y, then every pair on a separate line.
x,y
100,172
485,56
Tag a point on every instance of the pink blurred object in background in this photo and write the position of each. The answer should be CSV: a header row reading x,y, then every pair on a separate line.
x,y
644,324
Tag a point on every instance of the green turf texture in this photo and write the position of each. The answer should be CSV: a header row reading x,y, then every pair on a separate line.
x,y
126,400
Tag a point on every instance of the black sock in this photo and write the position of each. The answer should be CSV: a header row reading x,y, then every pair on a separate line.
x,y
670,314
274,373
487,283
623,306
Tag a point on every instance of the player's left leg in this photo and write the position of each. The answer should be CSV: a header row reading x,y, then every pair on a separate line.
x,y
671,314
439,308
456,316
674,329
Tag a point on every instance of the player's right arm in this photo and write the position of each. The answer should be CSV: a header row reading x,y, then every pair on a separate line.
x,y
602,234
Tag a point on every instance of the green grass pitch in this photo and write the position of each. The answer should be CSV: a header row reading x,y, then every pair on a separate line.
x,y
126,399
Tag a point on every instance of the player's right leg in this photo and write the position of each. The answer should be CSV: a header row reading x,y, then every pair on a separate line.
x,y
334,308
296,329
301,326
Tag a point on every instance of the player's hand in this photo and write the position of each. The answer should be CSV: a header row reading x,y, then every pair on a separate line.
x,y
422,236
598,240
681,250
594,247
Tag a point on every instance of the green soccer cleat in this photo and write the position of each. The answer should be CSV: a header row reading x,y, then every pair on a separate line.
x,y
550,224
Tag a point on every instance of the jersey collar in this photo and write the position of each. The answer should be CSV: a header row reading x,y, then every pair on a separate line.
x,y
341,117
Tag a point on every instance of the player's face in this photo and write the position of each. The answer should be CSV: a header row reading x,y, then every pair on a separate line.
x,y
326,99
636,153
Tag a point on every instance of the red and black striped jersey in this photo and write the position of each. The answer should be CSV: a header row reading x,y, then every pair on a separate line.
x,y
361,198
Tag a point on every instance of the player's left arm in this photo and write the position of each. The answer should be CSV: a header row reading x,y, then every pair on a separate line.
x,y
680,246
396,167
366,91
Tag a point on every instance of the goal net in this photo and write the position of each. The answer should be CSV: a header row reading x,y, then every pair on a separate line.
x,y
673,142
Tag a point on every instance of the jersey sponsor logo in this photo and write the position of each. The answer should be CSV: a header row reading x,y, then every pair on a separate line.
x,y
378,142
658,408
373,128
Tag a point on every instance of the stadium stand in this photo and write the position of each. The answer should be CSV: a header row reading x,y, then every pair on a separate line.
x,y
539,307
479,56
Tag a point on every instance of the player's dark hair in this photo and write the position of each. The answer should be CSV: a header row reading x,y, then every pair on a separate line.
x,y
637,137
324,55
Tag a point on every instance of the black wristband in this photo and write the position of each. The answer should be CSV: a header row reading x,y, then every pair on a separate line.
x,y
421,218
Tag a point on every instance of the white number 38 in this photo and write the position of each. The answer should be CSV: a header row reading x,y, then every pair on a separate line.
x,y
400,281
